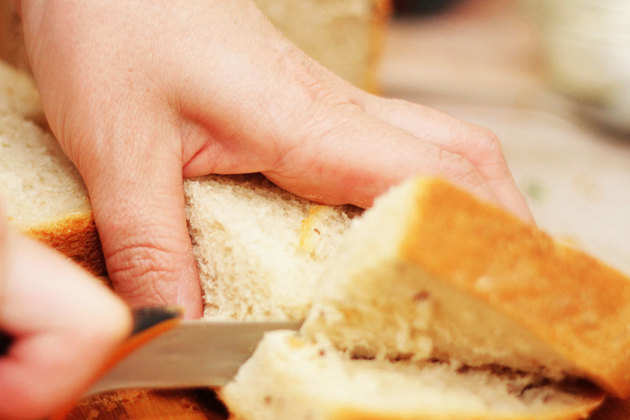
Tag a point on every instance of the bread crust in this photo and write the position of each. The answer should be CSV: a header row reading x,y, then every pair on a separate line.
x,y
378,26
578,306
576,412
76,237
572,413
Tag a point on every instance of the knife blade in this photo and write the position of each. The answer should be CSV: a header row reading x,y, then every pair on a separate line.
x,y
194,353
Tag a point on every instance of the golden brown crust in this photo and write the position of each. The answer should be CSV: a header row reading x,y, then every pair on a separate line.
x,y
612,409
76,237
378,26
577,412
573,302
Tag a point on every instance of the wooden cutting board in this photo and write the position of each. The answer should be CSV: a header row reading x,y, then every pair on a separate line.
x,y
198,404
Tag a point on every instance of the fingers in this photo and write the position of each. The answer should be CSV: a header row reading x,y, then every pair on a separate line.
x,y
65,324
297,115
299,129
136,191
478,145
351,157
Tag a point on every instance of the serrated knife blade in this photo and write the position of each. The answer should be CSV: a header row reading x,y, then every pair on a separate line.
x,y
195,353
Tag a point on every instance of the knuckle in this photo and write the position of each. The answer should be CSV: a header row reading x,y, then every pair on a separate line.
x,y
307,74
397,103
491,161
325,99
313,81
489,144
140,271
324,122
458,169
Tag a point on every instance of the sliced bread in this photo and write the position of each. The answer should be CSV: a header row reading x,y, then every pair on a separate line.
x,y
18,94
343,35
260,250
290,378
432,272
43,195
421,315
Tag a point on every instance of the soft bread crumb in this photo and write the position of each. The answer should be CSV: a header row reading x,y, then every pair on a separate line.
x,y
338,34
18,95
39,185
317,382
386,296
249,239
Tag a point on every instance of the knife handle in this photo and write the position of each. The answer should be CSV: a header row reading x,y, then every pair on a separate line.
x,y
5,343
148,323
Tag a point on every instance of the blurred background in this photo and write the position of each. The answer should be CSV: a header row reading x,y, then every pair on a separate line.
x,y
552,79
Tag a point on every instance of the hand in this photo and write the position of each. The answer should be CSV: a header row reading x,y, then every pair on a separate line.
x,y
143,93
63,322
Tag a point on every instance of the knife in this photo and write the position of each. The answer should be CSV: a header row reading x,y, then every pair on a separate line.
x,y
166,352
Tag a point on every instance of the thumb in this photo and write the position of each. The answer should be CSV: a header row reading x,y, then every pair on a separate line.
x,y
136,189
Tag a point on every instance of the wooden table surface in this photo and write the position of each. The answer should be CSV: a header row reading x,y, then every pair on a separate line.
x,y
480,66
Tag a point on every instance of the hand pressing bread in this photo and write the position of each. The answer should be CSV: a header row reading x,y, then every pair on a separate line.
x,y
143,93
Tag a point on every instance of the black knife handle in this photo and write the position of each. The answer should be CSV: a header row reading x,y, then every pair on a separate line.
x,y
145,318
5,343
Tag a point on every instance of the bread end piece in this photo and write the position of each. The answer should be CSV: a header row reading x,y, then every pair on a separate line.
x,y
432,272
346,36
43,195
290,378
573,302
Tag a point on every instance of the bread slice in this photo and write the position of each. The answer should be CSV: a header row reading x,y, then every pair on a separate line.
x,y
343,35
260,250
18,95
432,272
43,195
395,331
290,378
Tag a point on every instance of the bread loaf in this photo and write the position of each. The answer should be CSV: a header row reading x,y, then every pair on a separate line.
x,y
432,272
425,312
343,35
